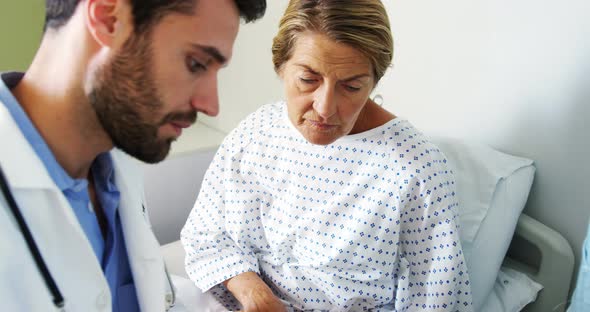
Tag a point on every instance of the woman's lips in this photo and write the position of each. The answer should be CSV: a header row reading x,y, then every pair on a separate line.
x,y
320,125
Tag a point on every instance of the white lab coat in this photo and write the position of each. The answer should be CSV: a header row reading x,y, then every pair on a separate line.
x,y
61,240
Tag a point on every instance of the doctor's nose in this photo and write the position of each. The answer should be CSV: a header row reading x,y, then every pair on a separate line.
x,y
205,98
324,102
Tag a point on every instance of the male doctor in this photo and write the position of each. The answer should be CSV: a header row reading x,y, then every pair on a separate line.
x,y
111,79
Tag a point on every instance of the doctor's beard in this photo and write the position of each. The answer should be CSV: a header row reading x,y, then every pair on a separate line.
x,y
125,99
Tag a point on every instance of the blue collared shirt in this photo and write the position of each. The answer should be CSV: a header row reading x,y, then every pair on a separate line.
x,y
110,252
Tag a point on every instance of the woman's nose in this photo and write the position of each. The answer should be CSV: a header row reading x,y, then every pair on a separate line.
x,y
324,102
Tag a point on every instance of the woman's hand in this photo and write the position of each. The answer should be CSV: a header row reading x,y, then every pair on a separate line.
x,y
253,293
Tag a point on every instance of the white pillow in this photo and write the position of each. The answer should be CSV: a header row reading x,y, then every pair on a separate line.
x,y
512,291
492,189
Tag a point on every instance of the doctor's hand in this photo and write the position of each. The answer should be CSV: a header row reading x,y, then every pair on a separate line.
x,y
253,293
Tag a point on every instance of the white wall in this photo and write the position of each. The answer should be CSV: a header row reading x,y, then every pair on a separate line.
x,y
249,81
512,74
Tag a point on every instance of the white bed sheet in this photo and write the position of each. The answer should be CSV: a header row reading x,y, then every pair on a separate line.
x,y
191,298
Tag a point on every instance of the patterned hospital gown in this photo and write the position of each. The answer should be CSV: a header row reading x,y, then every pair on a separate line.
x,y
367,223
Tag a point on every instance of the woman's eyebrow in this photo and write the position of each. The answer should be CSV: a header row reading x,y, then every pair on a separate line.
x,y
309,69
355,77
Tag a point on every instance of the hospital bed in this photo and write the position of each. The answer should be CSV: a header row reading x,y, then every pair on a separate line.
x,y
516,263
546,257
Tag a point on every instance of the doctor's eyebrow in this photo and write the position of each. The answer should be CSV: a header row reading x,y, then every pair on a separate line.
x,y
212,51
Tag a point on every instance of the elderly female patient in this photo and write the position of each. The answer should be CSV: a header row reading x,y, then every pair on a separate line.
x,y
327,201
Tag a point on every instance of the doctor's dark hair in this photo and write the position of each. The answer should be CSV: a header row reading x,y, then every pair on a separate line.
x,y
360,24
147,13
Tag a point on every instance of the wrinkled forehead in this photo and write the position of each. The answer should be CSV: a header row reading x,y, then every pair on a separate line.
x,y
326,55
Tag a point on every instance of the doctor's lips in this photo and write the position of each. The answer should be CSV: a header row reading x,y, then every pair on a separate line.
x,y
179,125
179,121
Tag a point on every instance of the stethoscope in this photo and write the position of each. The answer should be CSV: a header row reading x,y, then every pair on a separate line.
x,y
58,299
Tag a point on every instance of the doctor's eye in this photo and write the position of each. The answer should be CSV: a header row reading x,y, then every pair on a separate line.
x,y
194,66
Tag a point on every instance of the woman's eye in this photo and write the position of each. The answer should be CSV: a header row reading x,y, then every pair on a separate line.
x,y
352,88
194,66
307,81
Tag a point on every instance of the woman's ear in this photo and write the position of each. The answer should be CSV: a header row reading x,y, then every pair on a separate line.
x,y
106,20
281,72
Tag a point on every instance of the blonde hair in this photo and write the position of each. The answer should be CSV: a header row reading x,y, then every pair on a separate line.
x,y
361,24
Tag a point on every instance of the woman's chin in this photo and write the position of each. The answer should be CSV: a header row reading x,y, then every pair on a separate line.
x,y
320,139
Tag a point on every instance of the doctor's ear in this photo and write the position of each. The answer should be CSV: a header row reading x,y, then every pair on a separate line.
x,y
108,21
